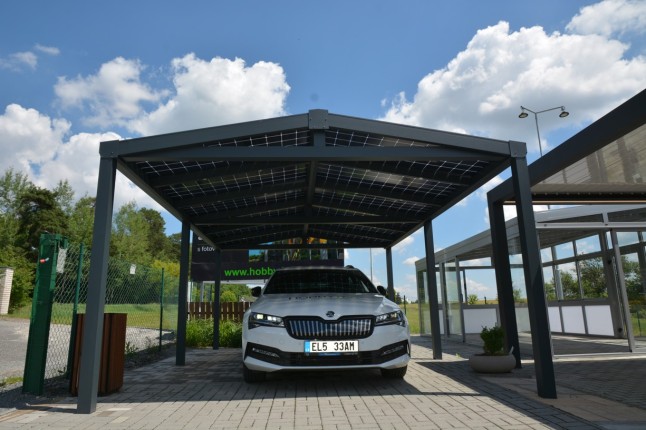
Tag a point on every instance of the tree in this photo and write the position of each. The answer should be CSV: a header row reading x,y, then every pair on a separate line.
x,y
12,186
38,212
82,221
130,235
64,195
156,228
593,278
472,299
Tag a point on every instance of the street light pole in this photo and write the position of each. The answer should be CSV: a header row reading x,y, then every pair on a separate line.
x,y
523,114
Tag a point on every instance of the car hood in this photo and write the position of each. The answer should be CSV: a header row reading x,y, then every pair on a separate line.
x,y
320,305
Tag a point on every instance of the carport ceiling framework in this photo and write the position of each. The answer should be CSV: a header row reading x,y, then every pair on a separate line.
x,y
360,183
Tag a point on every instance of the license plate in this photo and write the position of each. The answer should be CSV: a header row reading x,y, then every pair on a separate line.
x,y
331,346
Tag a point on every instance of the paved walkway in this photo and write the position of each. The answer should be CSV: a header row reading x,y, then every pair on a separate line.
x,y
208,393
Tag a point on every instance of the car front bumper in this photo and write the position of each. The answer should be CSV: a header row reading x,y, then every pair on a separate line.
x,y
271,349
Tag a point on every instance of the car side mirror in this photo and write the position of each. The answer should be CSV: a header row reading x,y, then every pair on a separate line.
x,y
255,291
382,290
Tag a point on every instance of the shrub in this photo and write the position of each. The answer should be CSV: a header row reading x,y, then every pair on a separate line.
x,y
199,334
228,296
494,340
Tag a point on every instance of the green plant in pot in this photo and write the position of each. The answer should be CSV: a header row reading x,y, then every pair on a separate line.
x,y
494,359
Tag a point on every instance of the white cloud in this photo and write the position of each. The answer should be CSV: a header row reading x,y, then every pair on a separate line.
x,y
482,88
36,145
215,92
404,244
49,50
112,97
19,60
29,137
410,261
610,17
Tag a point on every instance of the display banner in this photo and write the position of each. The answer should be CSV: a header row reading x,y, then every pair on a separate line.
x,y
257,263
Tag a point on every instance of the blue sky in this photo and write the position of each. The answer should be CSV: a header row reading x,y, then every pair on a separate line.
x,y
75,73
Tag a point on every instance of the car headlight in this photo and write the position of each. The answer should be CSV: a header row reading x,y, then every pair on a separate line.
x,y
396,317
257,319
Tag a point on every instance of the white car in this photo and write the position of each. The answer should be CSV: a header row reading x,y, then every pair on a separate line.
x,y
313,318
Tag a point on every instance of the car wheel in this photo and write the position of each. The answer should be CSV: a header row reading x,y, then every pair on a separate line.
x,y
251,376
398,372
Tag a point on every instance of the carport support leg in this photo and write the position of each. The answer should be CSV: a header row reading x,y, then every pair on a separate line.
x,y
216,298
93,331
536,301
182,300
389,273
432,291
500,259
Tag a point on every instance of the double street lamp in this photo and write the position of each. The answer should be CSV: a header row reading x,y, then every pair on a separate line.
x,y
524,114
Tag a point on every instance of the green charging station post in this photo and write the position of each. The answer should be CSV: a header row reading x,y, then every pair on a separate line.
x,y
51,259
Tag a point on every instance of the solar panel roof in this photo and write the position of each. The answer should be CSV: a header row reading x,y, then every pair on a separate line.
x,y
279,182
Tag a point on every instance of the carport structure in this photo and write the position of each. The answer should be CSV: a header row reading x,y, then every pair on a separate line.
x,y
359,183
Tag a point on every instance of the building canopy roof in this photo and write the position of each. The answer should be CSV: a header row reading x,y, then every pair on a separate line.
x,y
360,183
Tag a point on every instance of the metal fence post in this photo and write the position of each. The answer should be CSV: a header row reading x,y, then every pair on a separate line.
x,y
41,312
161,308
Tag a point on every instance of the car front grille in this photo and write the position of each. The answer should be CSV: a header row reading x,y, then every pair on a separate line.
x,y
319,329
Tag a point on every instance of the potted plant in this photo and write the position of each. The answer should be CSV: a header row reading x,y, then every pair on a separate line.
x,y
494,359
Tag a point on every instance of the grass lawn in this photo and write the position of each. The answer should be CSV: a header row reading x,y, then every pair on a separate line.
x,y
139,315
412,313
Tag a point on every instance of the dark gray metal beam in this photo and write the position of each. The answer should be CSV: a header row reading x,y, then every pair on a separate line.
x,y
256,191
380,192
418,134
389,273
93,330
216,300
500,260
411,171
182,302
318,141
205,136
224,172
234,215
533,270
301,219
612,126
310,153
434,307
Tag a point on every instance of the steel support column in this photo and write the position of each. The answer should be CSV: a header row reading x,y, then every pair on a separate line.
x,y
389,273
182,300
500,260
216,299
432,291
93,330
536,302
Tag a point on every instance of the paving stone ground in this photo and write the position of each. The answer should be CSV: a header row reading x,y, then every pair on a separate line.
x,y
208,393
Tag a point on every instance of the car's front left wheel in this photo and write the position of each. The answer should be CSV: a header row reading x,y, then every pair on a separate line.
x,y
251,376
398,372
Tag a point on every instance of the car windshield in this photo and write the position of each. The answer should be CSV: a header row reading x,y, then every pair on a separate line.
x,y
319,281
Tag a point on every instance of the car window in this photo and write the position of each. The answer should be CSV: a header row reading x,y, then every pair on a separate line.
x,y
318,281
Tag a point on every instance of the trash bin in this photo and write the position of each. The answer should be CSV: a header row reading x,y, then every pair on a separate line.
x,y
112,353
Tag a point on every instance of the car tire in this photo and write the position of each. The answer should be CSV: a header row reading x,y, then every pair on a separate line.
x,y
252,376
398,372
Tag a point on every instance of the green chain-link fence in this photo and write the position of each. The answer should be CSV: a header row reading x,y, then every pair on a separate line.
x,y
146,294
